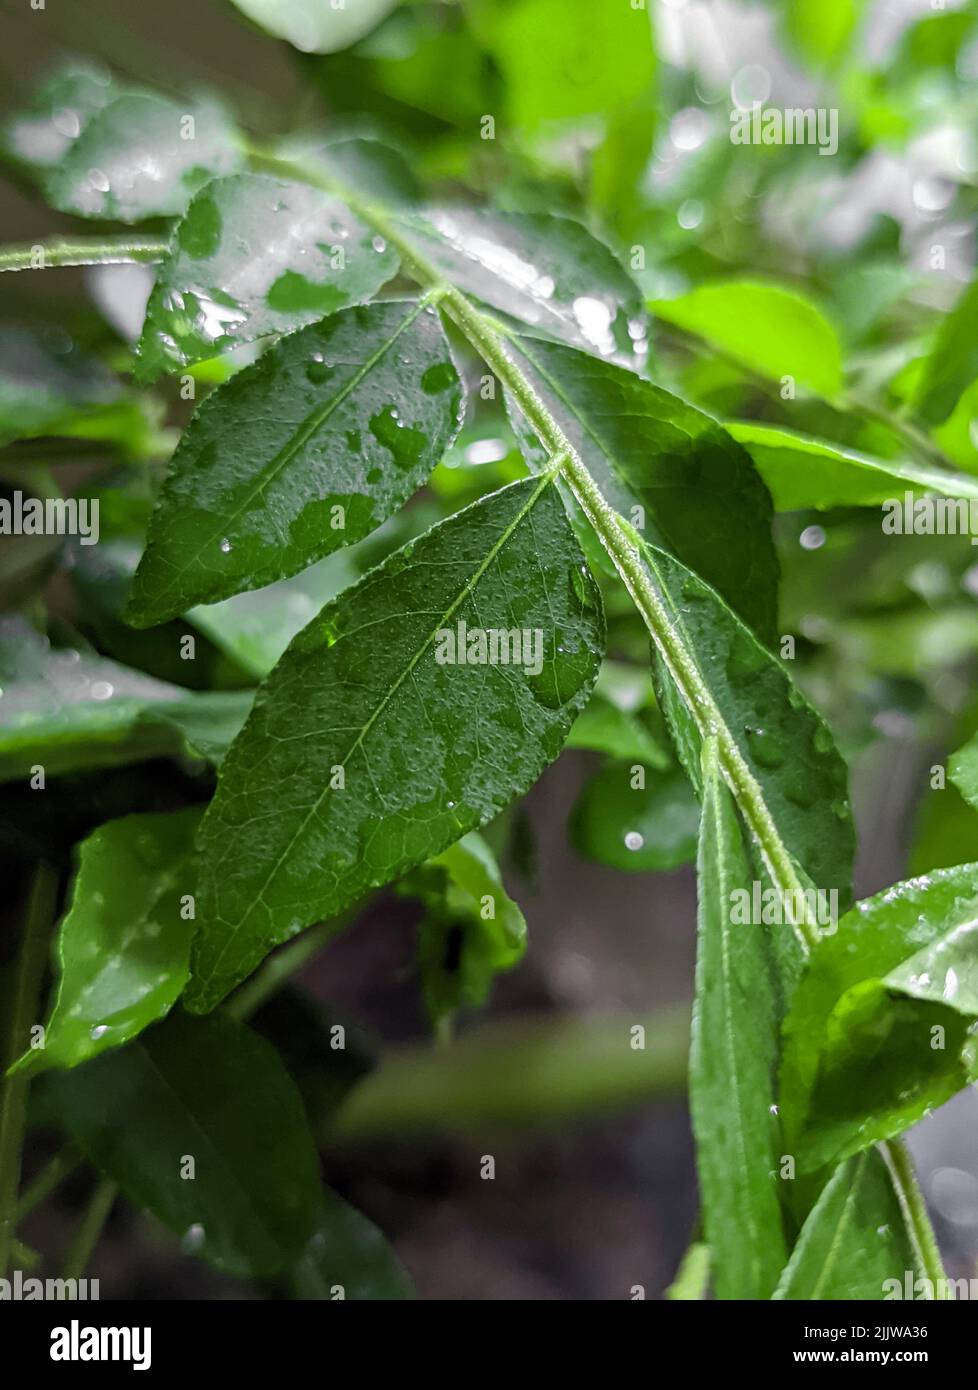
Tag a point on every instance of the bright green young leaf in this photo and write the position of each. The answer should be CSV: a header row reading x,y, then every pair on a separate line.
x,y
879,1029
732,1063
604,727
210,1090
317,26
567,58
673,472
124,945
472,929
43,132
821,29
963,771
635,827
771,330
802,472
545,271
143,156
348,1252
309,449
693,1276
861,1240
784,744
369,749
953,362
253,256
62,709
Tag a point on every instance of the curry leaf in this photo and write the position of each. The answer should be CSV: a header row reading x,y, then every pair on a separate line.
x,y
369,749
124,945
963,771
637,818
953,361
348,1257
302,453
313,26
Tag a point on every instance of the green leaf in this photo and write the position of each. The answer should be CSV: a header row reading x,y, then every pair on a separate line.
x,y
472,929
317,26
254,256
425,750
309,449
783,742
566,58
210,1090
733,1060
802,472
206,723
59,109
693,1276
637,829
124,945
963,771
821,30
766,328
63,709
348,1253
604,727
669,469
545,271
879,1028
143,156
860,1241
953,361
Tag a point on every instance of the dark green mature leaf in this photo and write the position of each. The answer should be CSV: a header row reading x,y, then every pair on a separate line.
x,y
953,363
124,945
43,132
802,472
732,1063
144,156
63,709
672,471
879,1031
472,928
253,256
857,1242
317,26
210,1090
963,771
545,271
637,828
425,750
767,328
348,1258
306,451
783,741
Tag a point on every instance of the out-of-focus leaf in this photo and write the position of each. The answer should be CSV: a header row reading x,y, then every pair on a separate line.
x,y
604,727
206,722
963,771
732,1063
802,472
769,329
673,472
879,1031
253,256
124,945
637,827
143,156
859,1241
472,929
43,132
317,26
821,29
348,1258
365,755
304,452
953,361
211,1091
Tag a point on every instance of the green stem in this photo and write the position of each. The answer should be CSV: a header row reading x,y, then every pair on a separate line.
x,y
279,968
64,1163
13,1100
915,1217
90,1228
59,251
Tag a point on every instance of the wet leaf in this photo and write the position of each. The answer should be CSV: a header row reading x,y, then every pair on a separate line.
x,y
963,771
637,828
124,945
42,134
732,1063
304,452
365,755
210,1091
348,1253
254,256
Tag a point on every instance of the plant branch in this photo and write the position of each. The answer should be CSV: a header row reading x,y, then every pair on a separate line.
x,y
279,968
13,1100
54,1173
89,1229
914,1210
60,251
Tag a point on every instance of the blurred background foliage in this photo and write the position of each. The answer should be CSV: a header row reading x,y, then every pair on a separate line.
x,y
551,105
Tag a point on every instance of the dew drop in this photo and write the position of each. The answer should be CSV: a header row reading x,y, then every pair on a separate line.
x,y
101,690
226,546
633,840
99,1030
